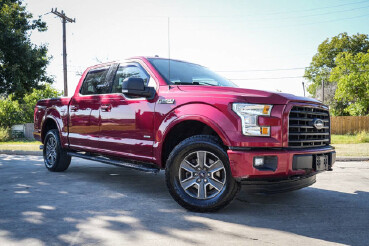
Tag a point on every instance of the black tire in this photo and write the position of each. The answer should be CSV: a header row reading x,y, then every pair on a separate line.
x,y
194,198
55,157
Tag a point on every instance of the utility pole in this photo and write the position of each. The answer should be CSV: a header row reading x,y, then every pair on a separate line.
x,y
323,89
65,19
303,87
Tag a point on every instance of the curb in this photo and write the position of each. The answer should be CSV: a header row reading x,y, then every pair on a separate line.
x,y
21,152
353,158
39,153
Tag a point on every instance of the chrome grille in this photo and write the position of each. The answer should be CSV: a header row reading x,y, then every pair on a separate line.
x,y
301,130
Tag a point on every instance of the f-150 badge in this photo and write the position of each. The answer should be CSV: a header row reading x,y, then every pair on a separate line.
x,y
166,101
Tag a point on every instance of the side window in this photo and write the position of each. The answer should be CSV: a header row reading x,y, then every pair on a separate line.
x,y
127,71
95,82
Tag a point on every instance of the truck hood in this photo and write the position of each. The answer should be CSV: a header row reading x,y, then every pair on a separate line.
x,y
245,95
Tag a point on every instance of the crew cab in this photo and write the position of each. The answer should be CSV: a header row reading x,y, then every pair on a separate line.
x,y
209,135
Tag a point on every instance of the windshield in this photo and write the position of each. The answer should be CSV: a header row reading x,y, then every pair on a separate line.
x,y
184,73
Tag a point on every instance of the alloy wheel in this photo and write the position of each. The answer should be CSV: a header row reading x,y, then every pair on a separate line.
x,y
202,175
51,151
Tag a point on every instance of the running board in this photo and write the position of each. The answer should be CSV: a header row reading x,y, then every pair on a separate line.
x,y
137,166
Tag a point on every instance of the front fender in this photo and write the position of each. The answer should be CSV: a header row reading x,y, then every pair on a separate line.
x,y
201,112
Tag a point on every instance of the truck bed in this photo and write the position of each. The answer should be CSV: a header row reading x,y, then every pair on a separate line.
x,y
55,109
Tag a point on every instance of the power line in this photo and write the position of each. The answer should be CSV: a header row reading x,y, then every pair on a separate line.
x,y
258,14
267,14
294,77
291,77
261,20
259,70
303,24
319,14
320,22
300,16
313,9
46,13
134,18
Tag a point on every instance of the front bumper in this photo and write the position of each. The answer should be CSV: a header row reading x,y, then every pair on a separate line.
x,y
278,186
290,162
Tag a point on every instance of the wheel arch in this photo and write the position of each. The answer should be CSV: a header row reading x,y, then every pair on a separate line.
x,y
210,121
48,124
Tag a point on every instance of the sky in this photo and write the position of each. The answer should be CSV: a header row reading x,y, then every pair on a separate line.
x,y
262,44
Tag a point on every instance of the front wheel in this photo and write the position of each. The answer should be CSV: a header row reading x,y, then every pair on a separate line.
x,y
198,175
55,157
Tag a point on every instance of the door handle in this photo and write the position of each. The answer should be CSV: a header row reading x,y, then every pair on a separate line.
x,y
73,108
106,107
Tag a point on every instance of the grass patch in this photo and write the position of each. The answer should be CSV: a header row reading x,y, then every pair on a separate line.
x,y
362,137
359,150
27,142
26,145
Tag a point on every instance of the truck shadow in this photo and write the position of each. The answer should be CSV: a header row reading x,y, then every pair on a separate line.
x,y
98,204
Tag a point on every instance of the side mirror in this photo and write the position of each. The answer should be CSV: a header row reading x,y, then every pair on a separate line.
x,y
136,87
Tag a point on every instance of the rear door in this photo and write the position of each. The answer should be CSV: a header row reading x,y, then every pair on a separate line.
x,y
84,110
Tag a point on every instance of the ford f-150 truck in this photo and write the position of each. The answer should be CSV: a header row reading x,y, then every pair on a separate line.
x,y
211,137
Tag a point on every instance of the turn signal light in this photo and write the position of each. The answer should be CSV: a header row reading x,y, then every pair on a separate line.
x,y
264,131
266,109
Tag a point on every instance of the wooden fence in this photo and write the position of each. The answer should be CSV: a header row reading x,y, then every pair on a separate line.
x,y
349,124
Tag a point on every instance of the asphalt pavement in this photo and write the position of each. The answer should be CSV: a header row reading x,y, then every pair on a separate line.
x,y
97,204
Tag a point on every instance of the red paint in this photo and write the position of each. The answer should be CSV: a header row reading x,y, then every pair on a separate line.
x,y
242,162
111,124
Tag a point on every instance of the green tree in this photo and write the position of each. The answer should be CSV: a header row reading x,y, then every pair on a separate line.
x,y
13,112
22,64
352,76
10,112
31,99
325,60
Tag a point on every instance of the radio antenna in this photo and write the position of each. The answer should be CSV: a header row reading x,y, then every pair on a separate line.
x,y
169,49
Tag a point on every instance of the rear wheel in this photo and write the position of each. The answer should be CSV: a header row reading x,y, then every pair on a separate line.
x,y
198,175
55,157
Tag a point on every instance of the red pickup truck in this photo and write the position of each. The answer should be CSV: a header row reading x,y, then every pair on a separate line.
x,y
211,137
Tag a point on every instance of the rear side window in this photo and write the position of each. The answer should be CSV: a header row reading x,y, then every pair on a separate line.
x,y
95,82
131,70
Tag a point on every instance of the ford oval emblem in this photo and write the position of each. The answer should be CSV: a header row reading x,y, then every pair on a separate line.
x,y
318,124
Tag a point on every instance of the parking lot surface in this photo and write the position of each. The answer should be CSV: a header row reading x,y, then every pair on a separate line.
x,y
93,203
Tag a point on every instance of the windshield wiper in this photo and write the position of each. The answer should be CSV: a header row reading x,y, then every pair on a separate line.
x,y
182,83
205,83
192,83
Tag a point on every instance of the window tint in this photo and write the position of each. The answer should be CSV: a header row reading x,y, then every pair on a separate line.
x,y
128,71
95,82
187,73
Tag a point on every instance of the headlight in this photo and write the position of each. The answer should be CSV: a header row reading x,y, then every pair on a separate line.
x,y
249,116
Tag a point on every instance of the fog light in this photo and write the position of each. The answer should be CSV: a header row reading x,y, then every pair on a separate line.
x,y
258,161
266,163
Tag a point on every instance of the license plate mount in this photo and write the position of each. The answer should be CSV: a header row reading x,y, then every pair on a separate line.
x,y
321,163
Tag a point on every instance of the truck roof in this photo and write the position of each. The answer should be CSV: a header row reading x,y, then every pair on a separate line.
x,y
143,58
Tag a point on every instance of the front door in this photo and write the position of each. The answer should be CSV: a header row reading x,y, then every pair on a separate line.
x,y
126,128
